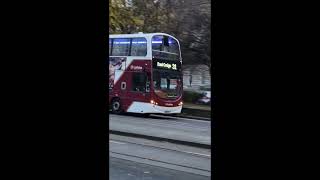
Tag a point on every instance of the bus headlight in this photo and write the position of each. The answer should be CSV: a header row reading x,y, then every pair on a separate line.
x,y
153,102
180,103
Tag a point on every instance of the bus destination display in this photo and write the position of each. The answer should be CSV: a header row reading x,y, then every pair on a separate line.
x,y
166,65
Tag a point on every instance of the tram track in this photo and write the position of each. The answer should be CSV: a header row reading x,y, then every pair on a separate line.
x,y
173,130
154,138
191,162
163,148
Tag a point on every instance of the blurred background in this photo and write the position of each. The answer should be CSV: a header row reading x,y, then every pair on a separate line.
x,y
189,21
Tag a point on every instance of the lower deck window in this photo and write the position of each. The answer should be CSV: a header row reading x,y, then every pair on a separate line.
x,y
139,82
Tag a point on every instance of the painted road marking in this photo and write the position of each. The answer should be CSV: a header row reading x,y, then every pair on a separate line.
x,y
207,155
116,142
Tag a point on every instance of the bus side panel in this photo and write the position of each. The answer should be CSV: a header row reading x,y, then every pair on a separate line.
x,y
138,66
127,95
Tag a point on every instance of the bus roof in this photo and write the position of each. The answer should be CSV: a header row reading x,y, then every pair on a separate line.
x,y
138,35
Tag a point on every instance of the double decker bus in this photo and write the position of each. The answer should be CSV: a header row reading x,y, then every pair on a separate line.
x,y
145,74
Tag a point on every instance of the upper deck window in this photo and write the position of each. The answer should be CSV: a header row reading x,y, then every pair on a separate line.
x,y
165,47
139,47
121,47
127,47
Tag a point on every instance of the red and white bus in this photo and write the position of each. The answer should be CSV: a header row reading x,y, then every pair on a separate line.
x,y
145,74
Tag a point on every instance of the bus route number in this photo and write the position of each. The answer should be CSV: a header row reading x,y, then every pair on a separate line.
x,y
174,66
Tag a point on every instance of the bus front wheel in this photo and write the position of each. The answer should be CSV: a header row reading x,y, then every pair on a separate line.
x,y
116,106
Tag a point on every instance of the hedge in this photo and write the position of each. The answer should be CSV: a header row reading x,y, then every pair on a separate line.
x,y
190,96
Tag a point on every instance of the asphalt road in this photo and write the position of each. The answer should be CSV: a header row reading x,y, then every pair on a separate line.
x,y
182,129
128,170
134,158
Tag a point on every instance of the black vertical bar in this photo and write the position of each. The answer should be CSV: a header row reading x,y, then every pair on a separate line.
x,y
111,47
130,47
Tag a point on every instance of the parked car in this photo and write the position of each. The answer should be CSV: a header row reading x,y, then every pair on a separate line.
x,y
206,95
206,98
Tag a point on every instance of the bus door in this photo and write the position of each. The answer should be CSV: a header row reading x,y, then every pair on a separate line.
x,y
141,86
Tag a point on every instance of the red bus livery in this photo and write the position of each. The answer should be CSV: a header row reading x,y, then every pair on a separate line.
x,y
145,74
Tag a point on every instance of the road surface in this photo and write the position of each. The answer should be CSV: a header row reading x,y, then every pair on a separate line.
x,y
140,159
182,129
